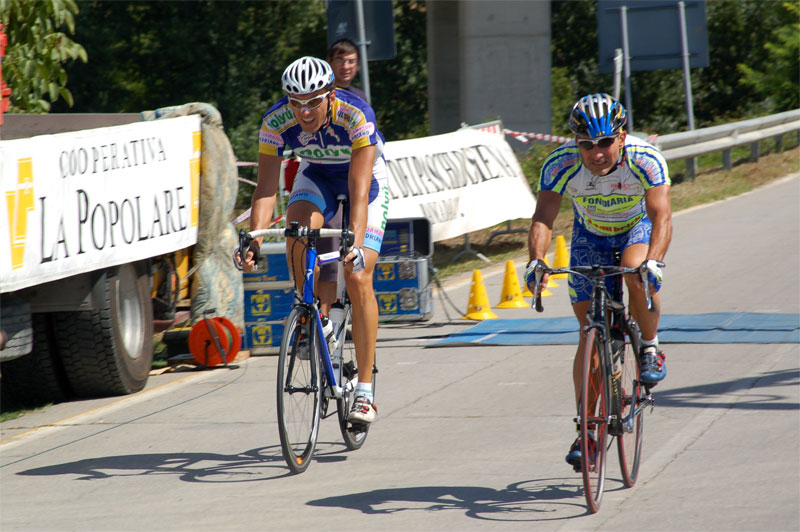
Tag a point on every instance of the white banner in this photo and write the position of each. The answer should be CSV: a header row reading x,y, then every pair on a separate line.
x,y
461,181
81,201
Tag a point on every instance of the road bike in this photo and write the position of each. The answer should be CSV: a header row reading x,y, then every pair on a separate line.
x,y
315,369
612,396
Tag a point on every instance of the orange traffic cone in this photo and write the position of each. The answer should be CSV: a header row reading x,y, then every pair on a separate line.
x,y
511,297
560,257
478,306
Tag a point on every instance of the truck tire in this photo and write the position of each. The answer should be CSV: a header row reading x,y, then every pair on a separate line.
x,y
15,321
109,351
37,378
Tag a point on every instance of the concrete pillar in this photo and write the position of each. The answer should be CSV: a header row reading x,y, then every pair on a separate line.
x,y
489,60
444,99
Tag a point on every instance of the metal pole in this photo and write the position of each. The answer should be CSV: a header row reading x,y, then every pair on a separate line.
x,y
617,72
691,164
626,53
362,47
687,80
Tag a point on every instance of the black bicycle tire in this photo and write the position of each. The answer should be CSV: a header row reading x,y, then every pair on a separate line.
x,y
629,465
310,371
593,471
354,437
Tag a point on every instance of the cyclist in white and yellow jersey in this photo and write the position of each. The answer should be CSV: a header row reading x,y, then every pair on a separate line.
x,y
336,136
620,188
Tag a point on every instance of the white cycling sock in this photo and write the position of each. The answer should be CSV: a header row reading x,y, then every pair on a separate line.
x,y
364,389
653,342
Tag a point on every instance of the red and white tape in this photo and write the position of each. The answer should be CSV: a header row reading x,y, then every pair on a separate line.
x,y
525,137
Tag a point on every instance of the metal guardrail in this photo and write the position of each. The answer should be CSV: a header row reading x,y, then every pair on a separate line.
x,y
690,144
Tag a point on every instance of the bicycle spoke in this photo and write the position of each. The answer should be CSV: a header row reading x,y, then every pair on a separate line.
x,y
593,421
298,394
353,435
629,442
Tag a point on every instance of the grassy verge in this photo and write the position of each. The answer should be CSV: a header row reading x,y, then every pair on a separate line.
x,y
712,183
11,409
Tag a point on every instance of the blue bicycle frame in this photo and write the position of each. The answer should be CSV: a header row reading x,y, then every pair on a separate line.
x,y
312,259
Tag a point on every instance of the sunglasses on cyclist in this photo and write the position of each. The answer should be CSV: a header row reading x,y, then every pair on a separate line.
x,y
603,142
310,103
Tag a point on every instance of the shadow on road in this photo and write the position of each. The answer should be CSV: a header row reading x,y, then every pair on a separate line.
x,y
731,394
264,463
532,500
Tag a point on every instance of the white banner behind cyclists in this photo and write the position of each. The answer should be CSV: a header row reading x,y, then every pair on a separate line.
x,y
461,181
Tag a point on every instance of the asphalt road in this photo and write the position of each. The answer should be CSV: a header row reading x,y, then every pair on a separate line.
x,y
469,438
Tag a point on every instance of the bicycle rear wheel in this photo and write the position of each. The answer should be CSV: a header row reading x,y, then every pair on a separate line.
x,y
593,420
299,390
631,392
353,435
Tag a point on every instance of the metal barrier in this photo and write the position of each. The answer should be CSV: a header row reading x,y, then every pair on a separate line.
x,y
690,144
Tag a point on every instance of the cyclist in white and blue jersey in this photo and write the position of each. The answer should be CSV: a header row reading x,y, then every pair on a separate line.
x,y
336,136
620,188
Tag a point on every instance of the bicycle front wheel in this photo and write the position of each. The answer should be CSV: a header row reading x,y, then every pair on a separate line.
x,y
299,391
593,420
631,393
353,435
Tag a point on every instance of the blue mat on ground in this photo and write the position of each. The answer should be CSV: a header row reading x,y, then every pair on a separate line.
x,y
716,328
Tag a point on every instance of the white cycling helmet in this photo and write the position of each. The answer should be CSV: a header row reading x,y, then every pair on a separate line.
x,y
307,75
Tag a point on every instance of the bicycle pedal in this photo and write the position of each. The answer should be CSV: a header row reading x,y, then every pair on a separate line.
x,y
349,370
357,427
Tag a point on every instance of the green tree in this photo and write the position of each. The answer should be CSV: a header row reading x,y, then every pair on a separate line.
x,y
399,87
34,65
146,55
779,81
739,32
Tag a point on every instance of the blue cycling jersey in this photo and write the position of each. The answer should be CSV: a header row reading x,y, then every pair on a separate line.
x,y
351,125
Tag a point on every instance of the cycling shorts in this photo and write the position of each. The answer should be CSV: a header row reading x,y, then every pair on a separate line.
x,y
589,248
313,186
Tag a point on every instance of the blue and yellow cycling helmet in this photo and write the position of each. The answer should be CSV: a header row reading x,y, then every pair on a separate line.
x,y
597,115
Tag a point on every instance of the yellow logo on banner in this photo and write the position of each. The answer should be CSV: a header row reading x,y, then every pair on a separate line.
x,y
194,173
385,272
262,335
20,203
387,303
260,304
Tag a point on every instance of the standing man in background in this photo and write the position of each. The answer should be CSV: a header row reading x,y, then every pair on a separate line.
x,y
343,57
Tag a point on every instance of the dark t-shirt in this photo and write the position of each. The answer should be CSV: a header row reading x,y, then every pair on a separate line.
x,y
354,90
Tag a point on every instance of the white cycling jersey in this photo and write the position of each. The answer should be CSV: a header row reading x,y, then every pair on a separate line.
x,y
609,204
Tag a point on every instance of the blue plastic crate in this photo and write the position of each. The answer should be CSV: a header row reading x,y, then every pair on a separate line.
x,y
267,301
393,274
272,265
402,289
405,304
263,337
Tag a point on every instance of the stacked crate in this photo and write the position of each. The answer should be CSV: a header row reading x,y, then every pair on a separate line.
x,y
402,274
268,299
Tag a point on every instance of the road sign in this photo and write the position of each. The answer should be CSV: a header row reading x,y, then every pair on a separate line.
x,y
378,24
654,34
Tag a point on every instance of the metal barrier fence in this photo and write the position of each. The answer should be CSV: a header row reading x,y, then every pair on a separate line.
x,y
691,144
